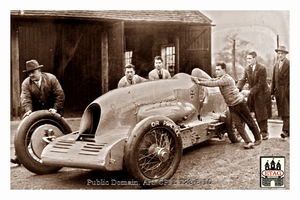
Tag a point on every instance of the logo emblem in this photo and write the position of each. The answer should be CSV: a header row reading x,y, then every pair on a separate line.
x,y
272,171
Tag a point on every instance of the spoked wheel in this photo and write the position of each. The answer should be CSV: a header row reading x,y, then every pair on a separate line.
x,y
33,134
232,132
154,151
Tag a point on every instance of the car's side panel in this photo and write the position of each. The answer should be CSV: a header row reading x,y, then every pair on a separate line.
x,y
106,153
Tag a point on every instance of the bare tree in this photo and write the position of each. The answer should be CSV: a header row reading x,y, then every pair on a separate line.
x,y
234,54
241,47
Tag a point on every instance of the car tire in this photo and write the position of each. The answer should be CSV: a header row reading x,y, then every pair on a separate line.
x,y
153,151
29,139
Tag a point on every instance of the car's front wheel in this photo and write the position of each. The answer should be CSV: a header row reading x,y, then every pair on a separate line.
x,y
33,134
153,151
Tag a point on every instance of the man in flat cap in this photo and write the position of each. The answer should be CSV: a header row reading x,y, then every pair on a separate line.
x,y
40,91
280,88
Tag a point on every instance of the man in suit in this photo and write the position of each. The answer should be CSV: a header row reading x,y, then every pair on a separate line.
x,y
159,72
40,91
130,77
280,88
258,96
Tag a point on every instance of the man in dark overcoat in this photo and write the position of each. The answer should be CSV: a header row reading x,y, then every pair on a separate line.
x,y
40,91
258,96
280,88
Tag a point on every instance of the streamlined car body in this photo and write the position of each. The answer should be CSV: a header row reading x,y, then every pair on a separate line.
x,y
142,128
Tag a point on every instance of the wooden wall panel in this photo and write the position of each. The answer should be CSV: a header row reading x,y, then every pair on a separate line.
x,y
81,75
37,42
116,54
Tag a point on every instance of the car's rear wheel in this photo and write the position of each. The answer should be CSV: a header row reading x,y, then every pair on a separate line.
x,y
33,134
153,151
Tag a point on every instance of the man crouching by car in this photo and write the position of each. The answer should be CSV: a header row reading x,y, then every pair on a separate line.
x,y
40,91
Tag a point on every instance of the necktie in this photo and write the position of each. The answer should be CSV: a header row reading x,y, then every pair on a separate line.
x,y
250,75
159,74
37,83
280,65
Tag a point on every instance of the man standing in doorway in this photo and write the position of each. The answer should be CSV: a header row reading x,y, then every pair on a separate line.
x,y
259,98
159,72
280,88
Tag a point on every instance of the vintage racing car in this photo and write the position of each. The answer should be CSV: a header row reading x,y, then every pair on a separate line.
x,y
142,129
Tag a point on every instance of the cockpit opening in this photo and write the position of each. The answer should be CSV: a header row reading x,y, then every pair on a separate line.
x,y
89,122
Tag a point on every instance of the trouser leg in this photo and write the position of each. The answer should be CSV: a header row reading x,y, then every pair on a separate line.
x,y
263,126
246,116
286,124
239,124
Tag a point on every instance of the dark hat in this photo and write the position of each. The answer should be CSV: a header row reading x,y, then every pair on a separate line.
x,y
282,48
32,65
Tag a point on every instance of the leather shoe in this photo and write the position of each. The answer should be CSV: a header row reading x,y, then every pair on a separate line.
x,y
249,145
284,134
257,142
15,161
265,136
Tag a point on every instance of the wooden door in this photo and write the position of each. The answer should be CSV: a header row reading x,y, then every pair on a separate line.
x,y
81,64
195,49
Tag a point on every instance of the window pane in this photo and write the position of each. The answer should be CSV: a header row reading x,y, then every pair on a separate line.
x,y
170,59
128,57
